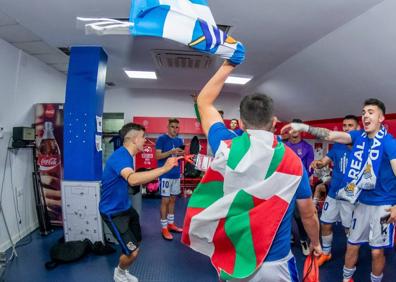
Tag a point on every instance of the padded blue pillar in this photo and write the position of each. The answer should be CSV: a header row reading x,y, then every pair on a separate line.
x,y
83,106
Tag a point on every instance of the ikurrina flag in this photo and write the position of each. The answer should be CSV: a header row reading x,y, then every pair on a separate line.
x,y
189,22
235,212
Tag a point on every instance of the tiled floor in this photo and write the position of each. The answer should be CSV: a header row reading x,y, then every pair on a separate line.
x,y
161,260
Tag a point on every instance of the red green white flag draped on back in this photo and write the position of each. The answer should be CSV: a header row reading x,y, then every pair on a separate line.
x,y
236,210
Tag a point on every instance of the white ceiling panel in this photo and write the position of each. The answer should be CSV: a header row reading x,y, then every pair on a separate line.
x,y
6,20
60,67
53,58
35,47
16,34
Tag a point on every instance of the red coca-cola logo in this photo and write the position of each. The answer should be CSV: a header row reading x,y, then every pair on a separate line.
x,y
49,111
147,156
48,161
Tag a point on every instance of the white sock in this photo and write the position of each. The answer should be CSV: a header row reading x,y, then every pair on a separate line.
x,y
120,269
348,273
164,223
326,243
375,278
171,218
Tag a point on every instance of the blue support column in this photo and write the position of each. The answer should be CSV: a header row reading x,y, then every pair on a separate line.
x,y
83,106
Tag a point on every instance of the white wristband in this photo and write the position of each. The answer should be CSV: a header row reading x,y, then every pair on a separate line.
x,y
299,126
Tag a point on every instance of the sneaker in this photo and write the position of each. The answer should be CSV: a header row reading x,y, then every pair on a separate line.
x,y
131,278
173,228
350,280
305,248
166,234
323,259
120,276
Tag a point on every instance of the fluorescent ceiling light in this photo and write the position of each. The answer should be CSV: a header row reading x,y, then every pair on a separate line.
x,y
141,74
238,80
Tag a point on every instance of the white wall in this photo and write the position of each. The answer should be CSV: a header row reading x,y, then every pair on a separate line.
x,y
24,81
163,103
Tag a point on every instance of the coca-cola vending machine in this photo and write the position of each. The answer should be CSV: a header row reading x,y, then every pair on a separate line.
x,y
49,144
146,159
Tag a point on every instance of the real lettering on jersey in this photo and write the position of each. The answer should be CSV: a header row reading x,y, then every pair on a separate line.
x,y
356,164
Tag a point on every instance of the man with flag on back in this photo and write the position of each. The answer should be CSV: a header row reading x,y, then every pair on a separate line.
x,y
370,179
240,214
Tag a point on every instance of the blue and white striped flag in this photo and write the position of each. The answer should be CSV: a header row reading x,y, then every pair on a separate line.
x,y
189,22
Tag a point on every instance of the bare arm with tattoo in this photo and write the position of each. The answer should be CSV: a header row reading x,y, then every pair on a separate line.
x,y
320,132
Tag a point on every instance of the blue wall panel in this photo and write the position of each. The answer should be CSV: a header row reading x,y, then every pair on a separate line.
x,y
83,104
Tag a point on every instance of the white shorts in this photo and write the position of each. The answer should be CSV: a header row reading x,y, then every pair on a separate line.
x,y
283,270
169,187
336,210
366,227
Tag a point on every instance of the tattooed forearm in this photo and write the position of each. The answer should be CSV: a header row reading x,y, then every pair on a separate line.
x,y
321,133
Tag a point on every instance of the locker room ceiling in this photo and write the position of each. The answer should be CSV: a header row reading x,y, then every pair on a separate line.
x,y
317,59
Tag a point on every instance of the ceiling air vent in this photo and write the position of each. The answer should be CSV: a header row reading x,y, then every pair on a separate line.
x,y
65,50
225,28
110,84
181,59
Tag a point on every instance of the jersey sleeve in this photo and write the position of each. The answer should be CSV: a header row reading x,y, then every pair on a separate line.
x,y
159,145
304,189
354,135
217,133
391,148
197,112
180,142
310,157
332,153
121,163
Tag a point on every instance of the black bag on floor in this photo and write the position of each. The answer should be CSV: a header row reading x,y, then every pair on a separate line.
x,y
65,252
100,249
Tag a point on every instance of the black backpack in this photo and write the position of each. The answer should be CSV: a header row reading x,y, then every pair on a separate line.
x,y
65,252
190,171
